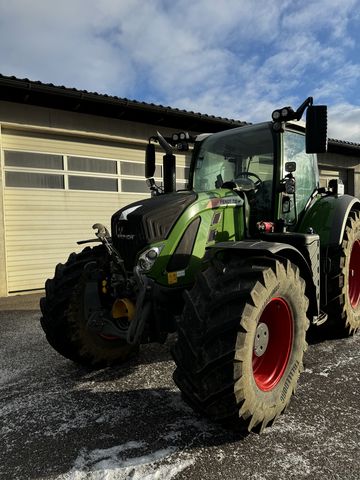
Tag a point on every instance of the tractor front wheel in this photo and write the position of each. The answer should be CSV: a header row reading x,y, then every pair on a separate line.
x,y
241,341
63,316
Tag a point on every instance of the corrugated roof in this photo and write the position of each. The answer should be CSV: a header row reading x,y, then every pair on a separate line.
x,y
54,96
343,146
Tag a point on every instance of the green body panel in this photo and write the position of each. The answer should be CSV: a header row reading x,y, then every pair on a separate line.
x,y
327,217
319,218
228,225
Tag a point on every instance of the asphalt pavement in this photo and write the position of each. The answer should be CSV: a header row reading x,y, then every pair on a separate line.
x,y
61,421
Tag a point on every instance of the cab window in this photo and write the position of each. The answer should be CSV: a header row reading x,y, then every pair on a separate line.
x,y
306,174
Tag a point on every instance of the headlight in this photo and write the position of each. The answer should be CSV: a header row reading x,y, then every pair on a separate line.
x,y
276,115
148,258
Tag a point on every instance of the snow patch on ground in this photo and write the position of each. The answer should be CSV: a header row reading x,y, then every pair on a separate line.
x,y
7,376
116,463
297,464
288,424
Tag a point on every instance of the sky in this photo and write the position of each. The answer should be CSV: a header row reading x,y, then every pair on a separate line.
x,y
237,59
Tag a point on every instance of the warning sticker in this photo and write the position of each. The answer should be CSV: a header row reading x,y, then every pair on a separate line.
x,y
172,278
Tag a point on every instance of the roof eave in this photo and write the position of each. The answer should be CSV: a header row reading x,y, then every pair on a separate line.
x,y
80,101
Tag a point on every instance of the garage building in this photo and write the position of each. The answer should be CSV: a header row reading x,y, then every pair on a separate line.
x,y
70,158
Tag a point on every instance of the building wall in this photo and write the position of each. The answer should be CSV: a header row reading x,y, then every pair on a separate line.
x,y
345,167
39,226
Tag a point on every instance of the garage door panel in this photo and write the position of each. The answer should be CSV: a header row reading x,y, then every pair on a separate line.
x,y
48,257
42,228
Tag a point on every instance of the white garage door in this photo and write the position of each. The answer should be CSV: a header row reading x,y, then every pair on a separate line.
x,y
55,190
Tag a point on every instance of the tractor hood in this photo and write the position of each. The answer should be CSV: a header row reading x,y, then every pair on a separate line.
x,y
147,221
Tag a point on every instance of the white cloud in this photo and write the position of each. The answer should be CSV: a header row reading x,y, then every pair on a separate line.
x,y
344,122
58,43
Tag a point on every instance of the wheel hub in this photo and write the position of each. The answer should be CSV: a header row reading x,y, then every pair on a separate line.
x,y
272,344
261,339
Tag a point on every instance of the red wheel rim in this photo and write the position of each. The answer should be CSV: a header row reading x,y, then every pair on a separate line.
x,y
354,275
269,363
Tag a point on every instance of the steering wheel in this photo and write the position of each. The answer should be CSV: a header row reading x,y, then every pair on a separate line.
x,y
258,182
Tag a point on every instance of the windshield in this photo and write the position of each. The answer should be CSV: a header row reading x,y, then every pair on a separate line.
x,y
235,155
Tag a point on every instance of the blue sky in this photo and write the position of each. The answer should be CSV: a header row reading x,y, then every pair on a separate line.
x,y
232,58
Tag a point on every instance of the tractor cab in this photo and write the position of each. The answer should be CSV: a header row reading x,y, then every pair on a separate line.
x,y
270,170
242,160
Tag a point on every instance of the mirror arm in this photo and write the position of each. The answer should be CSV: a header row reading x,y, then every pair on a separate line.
x,y
300,111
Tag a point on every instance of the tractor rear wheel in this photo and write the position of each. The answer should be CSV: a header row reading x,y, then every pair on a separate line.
x,y
241,340
63,319
343,307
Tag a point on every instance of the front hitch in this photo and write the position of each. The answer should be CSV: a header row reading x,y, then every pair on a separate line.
x,y
101,321
143,307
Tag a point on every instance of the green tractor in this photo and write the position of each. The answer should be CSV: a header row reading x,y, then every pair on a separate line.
x,y
239,265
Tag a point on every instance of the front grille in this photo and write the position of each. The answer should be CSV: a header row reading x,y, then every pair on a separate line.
x,y
128,241
147,221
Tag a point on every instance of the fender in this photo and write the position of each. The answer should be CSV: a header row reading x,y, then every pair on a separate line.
x,y
327,217
306,257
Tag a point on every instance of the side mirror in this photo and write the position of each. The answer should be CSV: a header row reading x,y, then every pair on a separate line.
x,y
150,160
316,129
